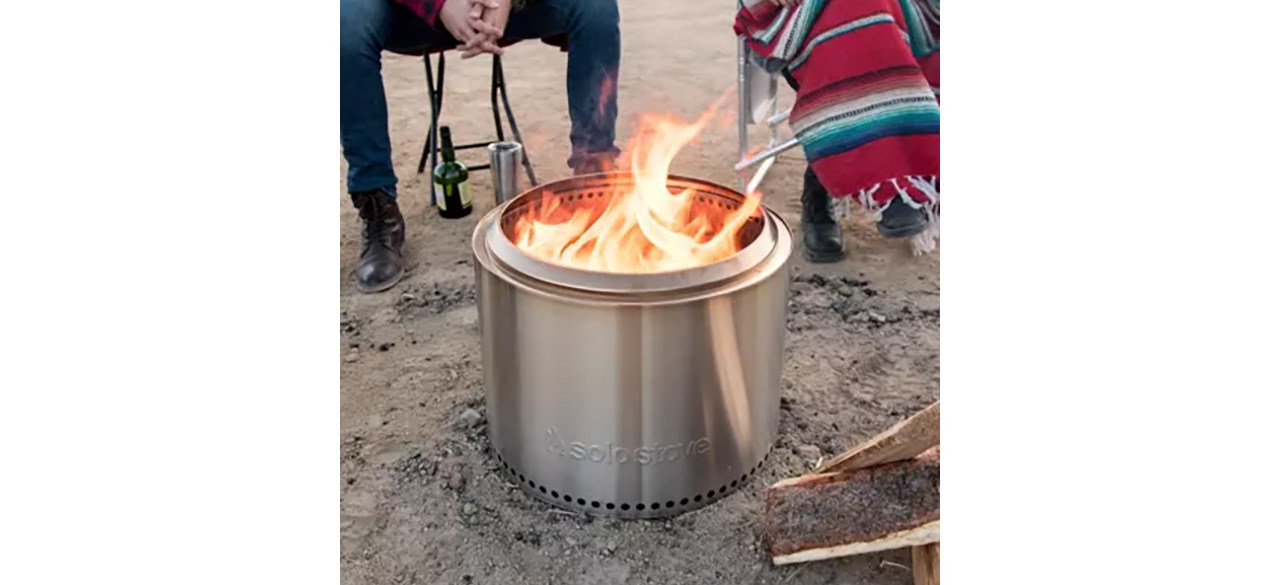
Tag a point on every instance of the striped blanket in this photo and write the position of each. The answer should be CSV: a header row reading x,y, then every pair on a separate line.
x,y
867,105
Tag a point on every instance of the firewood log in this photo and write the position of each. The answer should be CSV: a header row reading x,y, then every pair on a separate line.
x,y
926,564
828,515
904,440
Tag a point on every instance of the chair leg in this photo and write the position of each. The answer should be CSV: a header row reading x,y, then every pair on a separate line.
x,y
494,80
431,103
435,119
501,85
435,96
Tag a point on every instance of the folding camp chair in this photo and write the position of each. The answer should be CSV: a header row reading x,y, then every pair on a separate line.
x,y
757,104
497,89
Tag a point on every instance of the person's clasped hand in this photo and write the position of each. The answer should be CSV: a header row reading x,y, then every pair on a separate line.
x,y
477,24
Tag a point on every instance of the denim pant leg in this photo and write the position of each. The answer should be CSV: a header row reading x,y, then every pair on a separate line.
x,y
367,28
591,80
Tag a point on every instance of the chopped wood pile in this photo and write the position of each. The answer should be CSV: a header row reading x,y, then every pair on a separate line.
x,y
880,495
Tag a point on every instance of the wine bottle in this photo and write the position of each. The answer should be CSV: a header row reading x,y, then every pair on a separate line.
x,y
453,193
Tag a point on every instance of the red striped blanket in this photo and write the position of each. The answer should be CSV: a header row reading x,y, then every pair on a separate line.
x,y
867,109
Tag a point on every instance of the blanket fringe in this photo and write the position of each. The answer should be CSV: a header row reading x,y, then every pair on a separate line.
x,y
927,240
922,243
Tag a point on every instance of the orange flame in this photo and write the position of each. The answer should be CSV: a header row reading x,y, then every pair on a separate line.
x,y
645,228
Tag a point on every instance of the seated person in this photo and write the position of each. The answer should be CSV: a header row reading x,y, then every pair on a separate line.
x,y
867,112
371,26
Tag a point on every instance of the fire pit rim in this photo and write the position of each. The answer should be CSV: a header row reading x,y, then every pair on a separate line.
x,y
553,291
501,249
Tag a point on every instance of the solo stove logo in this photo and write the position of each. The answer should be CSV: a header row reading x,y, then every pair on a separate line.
x,y
609,453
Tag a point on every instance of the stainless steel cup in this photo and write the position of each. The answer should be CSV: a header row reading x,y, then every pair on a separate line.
x,y
505,159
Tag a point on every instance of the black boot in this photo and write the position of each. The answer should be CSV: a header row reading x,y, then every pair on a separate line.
x,y
590,164
823,240
900,220
381,261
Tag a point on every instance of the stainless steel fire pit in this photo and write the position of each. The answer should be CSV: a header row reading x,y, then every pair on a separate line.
x,y
631,395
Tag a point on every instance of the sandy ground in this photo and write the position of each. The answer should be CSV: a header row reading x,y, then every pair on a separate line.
x,y
423,501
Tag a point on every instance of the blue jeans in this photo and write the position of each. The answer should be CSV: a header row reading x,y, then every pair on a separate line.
x,y
372,26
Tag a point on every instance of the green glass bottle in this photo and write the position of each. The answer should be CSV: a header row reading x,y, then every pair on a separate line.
x,y
453,194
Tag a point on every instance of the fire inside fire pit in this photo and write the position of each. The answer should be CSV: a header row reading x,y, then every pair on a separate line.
x,y
639,224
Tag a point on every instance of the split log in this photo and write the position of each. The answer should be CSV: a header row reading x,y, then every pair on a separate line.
x,y
829,515
902,441
926,564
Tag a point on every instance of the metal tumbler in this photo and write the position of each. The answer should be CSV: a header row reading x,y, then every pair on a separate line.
x,y
505,159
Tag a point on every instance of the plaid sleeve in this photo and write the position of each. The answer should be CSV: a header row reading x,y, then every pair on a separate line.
x,y
425,9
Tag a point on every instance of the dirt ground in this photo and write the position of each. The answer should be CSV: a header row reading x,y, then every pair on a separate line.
x,y
422,500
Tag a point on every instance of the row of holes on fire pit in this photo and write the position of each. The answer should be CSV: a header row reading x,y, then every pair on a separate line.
x,y
710,200
594,504
755,222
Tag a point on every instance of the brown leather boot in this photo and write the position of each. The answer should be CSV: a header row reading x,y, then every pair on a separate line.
x,y
381,263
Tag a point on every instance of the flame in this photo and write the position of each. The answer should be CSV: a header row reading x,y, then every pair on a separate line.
x,y
642,227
